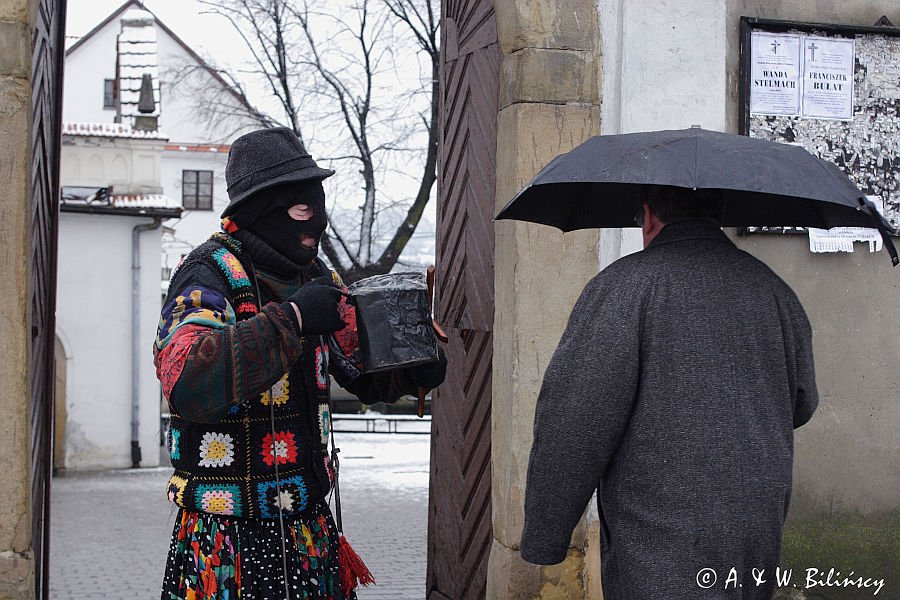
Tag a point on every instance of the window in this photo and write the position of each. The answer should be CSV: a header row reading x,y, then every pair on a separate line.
x,y
196,190
109,93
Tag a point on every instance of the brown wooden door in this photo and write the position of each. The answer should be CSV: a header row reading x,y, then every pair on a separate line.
x,y
46,70
459,511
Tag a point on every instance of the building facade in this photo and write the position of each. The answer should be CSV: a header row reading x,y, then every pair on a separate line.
x,y
143,184
103,74
110,238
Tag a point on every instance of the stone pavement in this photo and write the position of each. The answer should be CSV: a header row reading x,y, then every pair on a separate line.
x,y
110,529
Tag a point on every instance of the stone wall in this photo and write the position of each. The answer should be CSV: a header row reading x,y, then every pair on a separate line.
x,y
16,561
549,103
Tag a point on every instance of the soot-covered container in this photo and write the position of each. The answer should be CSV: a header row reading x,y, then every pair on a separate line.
x,y
393,316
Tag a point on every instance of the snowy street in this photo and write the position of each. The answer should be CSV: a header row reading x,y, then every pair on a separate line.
x,y
110,529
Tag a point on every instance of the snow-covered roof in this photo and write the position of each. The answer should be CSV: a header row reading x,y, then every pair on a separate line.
x,y
143,201
97,199
213,148
117,130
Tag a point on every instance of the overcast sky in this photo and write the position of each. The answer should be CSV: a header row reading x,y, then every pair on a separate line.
x,y
206,33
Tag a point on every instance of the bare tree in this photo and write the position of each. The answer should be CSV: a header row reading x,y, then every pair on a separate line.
x,y
340,74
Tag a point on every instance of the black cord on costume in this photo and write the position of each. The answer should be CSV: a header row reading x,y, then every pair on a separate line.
x,y
287,593
335,462
284,568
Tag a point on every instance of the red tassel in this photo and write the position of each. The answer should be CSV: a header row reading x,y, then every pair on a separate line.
x,y
352,569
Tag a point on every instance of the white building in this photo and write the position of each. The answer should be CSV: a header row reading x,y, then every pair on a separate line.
x,y
102,80
108,296
143,184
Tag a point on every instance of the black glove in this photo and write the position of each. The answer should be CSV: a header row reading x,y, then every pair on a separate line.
x,y
429,375
318,302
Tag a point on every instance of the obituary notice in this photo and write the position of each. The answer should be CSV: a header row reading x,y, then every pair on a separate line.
x,y
828,78
801,75
775,83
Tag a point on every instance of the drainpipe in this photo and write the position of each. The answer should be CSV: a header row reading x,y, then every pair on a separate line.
x,y
135,336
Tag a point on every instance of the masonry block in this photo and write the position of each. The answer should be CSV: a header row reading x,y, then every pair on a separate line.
x,y
572,24
550,76
543,272
15,51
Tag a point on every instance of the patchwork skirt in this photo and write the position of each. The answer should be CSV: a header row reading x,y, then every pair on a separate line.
x,y
215,557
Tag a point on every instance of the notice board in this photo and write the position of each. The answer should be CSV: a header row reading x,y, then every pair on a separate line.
x,y
833,89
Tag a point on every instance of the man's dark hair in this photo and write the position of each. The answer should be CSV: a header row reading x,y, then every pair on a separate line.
x,y
671,204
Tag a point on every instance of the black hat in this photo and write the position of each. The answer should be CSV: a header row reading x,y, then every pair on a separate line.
x,y
265,158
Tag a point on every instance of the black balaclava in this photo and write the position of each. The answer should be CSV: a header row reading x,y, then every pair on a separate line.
x,y
266,216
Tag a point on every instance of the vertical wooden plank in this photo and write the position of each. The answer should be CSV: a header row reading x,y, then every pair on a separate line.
x,y
459,517
48,46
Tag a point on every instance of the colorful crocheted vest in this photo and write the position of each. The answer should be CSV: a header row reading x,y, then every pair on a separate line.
x,y
229,467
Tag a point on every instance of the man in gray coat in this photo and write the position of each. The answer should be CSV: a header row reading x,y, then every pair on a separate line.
x,y
674,393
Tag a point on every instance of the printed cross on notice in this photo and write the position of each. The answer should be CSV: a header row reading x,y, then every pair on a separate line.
x,y
775,45
813,47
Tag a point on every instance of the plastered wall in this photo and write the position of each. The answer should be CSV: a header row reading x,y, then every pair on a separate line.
x,y
94,315
846,457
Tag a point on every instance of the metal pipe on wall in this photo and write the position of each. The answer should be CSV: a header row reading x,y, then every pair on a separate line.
x,y
136,336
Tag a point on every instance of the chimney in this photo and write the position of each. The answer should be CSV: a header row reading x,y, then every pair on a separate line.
x,y
138,71
146,120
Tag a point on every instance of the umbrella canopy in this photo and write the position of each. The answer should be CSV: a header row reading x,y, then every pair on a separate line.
x,y
762,183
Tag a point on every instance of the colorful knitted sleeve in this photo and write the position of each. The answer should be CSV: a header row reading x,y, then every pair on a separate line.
x,y
207,361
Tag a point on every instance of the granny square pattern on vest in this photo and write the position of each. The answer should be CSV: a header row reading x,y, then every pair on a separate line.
x,y
324,423
232,267
175,489
293,498
219,498
279,393
174,444
228,467
282,448
322,367
216,450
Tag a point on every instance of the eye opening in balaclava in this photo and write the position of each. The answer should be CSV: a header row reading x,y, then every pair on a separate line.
x,y
266,216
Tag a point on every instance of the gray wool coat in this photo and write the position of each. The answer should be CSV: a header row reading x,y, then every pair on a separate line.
x,y
674,393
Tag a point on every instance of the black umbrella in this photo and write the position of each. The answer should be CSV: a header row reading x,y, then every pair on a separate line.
x,y
762,183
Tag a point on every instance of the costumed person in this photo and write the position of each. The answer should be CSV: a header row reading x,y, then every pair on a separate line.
x,y
251,329
674,393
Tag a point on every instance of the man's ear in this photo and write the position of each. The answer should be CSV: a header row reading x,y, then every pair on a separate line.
x,y
652,225
647,222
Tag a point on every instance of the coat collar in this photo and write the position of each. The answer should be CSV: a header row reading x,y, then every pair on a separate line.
x,y
693,229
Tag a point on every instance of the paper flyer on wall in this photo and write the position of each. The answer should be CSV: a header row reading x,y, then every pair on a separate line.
x,y
800,75
828,78
775,74
841,239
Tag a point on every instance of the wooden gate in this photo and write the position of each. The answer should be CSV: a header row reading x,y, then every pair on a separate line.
x,y
46,78
459,511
